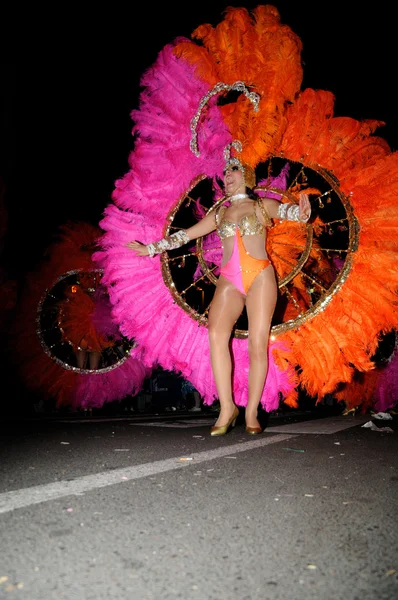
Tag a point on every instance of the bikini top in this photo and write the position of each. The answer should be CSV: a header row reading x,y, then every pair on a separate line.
x,y
248,225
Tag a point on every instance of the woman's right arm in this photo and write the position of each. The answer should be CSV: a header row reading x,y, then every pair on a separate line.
x,y
175,240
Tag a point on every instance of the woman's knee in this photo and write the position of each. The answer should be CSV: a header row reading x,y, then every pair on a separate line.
x,y
217,336
258,348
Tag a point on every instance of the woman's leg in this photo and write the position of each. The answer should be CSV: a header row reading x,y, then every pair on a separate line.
x,y
94,360
225,309
260,306
81,355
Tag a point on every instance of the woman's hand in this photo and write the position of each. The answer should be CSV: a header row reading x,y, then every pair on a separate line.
x,y
305,207
138,248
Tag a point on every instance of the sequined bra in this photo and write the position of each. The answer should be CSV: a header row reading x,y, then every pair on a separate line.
x,y
248,225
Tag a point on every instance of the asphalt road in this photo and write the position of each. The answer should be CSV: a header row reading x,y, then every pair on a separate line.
x,y
153,508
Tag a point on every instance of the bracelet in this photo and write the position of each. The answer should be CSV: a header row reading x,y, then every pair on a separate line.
x,y
175,240
290,212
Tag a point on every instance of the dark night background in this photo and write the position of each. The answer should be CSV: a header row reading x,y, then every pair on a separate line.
x,y
66,127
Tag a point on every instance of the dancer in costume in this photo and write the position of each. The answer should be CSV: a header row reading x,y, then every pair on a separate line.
x,y
247,279
329,320
76,320
63,305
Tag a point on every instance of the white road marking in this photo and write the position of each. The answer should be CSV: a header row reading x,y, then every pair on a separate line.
x,y
180,424
325,425
51,491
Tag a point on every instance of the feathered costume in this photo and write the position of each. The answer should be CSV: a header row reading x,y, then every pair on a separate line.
x,y
335,331
373,390
386,389
78,315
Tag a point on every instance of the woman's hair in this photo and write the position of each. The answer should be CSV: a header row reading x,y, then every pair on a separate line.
x,y
251,193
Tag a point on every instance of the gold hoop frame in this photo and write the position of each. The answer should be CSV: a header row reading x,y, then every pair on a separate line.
x,y
323,292
49,330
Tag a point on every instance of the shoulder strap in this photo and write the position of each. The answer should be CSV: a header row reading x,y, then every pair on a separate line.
x,y
218,210
265,214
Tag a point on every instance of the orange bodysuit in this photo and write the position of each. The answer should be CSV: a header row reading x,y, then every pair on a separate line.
x,y
242,268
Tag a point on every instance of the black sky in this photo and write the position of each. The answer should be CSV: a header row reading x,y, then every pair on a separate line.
x,y
76,91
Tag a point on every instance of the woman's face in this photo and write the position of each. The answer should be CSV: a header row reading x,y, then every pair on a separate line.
x,y
233,181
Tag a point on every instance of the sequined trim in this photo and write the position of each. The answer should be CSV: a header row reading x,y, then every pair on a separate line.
x,y
238,86
248,225
290,212
173,241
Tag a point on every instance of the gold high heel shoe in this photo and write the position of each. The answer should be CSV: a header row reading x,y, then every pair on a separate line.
x,y
254,430
225,428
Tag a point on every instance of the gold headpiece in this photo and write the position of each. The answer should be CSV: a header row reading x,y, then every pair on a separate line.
x,y
249,174
238,86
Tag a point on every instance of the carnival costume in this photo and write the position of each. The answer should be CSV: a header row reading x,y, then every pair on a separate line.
x,y
385,397
242,268
376,389
64,308
337,275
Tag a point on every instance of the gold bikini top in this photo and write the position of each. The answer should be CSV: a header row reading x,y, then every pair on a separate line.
x,y
248,225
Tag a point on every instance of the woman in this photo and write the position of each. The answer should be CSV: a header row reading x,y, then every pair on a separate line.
x,y
247,279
